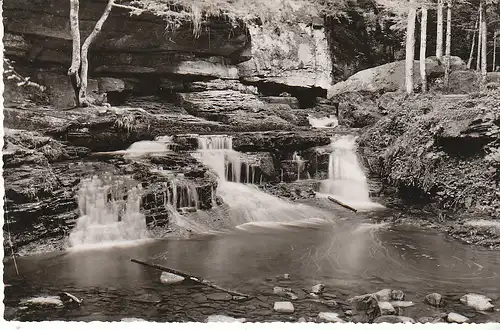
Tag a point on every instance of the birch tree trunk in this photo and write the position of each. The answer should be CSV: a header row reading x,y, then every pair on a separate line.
x,y
484,32
494,65
74,70
423,48
439,36
448,46
410,47
471,54
78,72
479,38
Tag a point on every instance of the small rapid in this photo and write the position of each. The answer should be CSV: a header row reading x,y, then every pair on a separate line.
x,y
346,180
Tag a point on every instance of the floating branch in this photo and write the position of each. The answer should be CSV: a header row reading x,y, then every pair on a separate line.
x,y
342,204
191,277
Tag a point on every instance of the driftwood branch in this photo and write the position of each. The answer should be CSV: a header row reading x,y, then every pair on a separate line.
x,y
342,204
191,277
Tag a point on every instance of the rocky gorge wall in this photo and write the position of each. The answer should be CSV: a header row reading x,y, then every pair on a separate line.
x,y
151,57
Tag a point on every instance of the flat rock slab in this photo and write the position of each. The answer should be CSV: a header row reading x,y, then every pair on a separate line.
x,y
393,319
402,304
285,307
456,318
44,301
169,278
477,301
330,317
386,308
224,318
219,296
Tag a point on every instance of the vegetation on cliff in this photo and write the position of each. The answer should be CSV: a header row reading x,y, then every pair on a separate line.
x,y
440,149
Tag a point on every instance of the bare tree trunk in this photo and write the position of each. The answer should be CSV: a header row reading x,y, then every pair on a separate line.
x,y
423,48
471,54
494,65
410,47
479,40
74,70
484,44
85,50
448,46
439,36
78,72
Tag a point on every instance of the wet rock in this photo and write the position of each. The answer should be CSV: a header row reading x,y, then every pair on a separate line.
x,y
282,292
318,288
386,308
69,299
279,140
367,304
219,296
132,319
329,295
348,312
330,317
477,301
263,312
107,84
383,295
393,319
169,278
429,319
456,318
434,299
43,301
224,318
402,304
302,320
284,307
283,277
397,295
301,294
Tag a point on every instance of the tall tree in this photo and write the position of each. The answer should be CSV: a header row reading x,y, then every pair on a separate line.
x,y
439,35
471,54
494,64
448,45
423,48
484,40
410,47
78,71
479,37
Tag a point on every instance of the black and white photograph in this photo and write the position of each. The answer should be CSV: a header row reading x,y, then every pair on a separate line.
x,y
251,161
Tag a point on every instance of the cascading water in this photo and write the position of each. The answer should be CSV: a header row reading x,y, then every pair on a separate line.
x,y
324,122
109,213
346,179
300,164
246,203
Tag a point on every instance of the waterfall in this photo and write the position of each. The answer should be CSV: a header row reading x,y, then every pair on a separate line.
x,y
300,163
346,179
324,122
109,212
246,203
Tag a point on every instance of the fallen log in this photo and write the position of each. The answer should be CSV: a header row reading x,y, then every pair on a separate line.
x,y
342,204
191,277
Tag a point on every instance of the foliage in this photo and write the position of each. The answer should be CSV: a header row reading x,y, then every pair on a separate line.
x,y
11,74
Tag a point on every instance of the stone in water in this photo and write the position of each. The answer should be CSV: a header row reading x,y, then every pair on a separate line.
x,y
330,317
457,318
434,299
386,308
284,307
318,288
169,278
477,301
224,318
383,295
48,301
402,304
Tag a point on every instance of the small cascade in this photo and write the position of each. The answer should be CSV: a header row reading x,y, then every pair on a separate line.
x,y
246,203
141,148
182,194
324,122
300,163
109,213
346,179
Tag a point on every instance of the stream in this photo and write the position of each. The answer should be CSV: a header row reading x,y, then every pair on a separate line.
x,y
316,242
